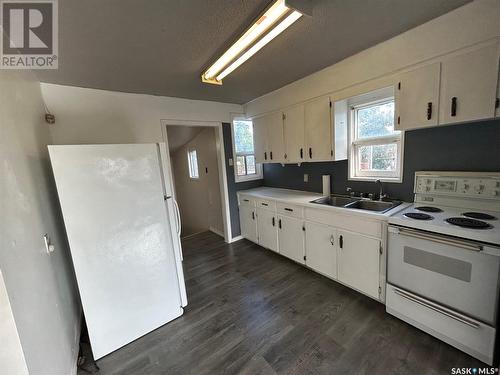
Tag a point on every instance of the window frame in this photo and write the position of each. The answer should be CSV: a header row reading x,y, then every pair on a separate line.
x,y
258,175
381,96
190,166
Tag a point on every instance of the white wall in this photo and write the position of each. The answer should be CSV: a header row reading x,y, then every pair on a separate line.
x,y
40,287
12,360
199,199
473,23
98,116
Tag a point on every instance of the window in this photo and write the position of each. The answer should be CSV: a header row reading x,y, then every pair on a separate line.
x,y
245,167
193,164
375,148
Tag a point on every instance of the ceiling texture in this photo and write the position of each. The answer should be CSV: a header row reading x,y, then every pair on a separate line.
x,y
161,47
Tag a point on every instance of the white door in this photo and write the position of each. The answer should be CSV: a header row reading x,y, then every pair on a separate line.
x,y
469,86
321,250
260,139
248,223
417,97
294,134
291,238
318,129
267,229
358,262
113,204
276,143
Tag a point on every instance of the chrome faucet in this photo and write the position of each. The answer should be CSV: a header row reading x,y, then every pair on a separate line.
x,y
349,191
381,194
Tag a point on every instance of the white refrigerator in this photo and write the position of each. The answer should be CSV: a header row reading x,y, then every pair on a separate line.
x,y
123,226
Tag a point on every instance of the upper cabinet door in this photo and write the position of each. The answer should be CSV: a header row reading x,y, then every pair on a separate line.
x,y
469,86
294,134
417,96
260,139
276,143
318,129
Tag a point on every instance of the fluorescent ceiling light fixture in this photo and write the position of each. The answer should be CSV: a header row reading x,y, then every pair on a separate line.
x,y
272,23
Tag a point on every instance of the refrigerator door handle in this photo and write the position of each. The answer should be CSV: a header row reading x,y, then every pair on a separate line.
x,y
178,223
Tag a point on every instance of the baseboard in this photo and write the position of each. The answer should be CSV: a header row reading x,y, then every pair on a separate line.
x,y
216,231
237,238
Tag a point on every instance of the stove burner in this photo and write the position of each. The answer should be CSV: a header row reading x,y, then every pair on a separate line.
x,y
418,216
428,209
479,215
468,223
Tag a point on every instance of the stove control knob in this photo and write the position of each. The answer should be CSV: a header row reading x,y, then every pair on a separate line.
x,y
479,188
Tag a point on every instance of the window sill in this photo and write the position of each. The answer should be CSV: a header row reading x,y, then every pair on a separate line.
x,y
245,179
373,179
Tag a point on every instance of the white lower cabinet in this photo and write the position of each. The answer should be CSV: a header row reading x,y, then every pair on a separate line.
x,y
291,238
248,223
359,262
321,252
267,229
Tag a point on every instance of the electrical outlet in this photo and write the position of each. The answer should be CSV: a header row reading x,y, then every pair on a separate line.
x,y
306,177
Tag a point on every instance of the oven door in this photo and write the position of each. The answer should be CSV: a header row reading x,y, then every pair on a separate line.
x,y
453,272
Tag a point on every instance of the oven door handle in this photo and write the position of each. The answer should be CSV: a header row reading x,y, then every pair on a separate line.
x,y
435,308
439,239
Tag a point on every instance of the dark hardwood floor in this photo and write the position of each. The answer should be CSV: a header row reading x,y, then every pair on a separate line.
x,y
254,312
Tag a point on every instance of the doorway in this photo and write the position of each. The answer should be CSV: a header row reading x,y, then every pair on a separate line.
x,y
198,182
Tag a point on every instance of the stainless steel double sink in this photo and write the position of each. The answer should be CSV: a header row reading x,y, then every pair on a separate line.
x,y
357,203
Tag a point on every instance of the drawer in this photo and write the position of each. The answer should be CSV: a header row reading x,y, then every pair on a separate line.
x,y
346,221
246,200
266,204
290,210
469,335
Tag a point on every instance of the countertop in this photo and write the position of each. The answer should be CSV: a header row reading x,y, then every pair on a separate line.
x,y
304,198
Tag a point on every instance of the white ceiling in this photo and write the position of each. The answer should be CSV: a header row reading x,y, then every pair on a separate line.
x,y
161,47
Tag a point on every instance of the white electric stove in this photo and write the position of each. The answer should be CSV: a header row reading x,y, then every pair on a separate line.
x,y
443,267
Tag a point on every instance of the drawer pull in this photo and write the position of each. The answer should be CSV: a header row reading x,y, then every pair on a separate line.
x,y
288,209
264,204
435,308
246,200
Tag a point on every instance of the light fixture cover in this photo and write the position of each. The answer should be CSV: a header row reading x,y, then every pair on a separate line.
x,y
270,24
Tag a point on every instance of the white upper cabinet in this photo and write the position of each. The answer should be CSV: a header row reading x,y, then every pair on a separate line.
x,y
260,139
293,121
291,238
318,129
275,143
417,98
358,262
321,251
469,86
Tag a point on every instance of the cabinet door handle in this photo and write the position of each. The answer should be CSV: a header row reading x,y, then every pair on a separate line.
x,y
253,215
429,110
332,240
279,223
341,242
265,155
453,106
310,152
301,153
271,155
274,223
